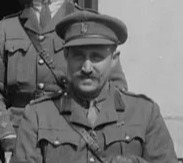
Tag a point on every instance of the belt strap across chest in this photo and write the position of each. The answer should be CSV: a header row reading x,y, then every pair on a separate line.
x,y
92,144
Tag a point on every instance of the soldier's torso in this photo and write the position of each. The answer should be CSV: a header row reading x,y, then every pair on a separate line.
x,y
119,130
27,75
26,70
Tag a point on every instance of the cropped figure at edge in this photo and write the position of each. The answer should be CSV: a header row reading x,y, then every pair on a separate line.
x,y
93,120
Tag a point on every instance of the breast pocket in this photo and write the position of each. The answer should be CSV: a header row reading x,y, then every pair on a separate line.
x,y
16,45
16,50
127,139
56,144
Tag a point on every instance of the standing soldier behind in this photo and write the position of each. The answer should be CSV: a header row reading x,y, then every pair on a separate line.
x,y
31,60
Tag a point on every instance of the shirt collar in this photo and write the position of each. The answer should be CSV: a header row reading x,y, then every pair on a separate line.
x,y
109,112
54,6
85,103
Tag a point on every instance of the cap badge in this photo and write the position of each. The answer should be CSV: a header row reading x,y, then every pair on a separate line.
x,y
84,28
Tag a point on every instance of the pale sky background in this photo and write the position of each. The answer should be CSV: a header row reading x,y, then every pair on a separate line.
x,y
152,57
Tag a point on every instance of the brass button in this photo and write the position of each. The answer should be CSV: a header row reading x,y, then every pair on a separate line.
x,y
60,91
127,137
65,93
41,85
41,37
32,102
92,159
56,142
12,49
64,81
41,62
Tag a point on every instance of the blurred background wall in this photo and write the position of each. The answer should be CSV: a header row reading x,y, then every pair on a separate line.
x,y
152,57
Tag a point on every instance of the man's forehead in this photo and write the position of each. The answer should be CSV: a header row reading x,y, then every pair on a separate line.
x,y
89,51
91,47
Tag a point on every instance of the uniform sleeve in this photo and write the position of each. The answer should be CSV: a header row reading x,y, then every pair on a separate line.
x,y
158,143
6,127
27,149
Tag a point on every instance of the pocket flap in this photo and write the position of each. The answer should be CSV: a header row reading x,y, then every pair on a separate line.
x,y
17,44
125,134
58,137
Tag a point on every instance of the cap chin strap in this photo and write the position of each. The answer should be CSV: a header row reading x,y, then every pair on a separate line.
x,y
105,37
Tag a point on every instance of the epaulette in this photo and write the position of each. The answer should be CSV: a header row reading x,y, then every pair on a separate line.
x,y
128,93
48,97
12,15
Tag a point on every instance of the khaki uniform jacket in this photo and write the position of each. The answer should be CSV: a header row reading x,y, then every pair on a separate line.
x,y
127,124
23,74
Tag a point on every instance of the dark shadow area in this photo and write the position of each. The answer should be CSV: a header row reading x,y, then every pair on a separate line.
x,y
8,7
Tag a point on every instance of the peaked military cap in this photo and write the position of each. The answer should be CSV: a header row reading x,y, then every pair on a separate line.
x,y
89,28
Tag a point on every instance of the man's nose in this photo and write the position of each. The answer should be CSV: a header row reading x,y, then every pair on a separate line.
x,y
87,67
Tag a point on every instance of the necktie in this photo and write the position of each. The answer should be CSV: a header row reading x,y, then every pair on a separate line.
x,y
92,115
45,15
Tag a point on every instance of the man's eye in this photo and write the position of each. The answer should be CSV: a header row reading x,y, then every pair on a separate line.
x,y
97,58
78,56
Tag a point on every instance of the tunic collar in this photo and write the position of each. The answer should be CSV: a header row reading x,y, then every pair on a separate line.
x,y
105,102
30,21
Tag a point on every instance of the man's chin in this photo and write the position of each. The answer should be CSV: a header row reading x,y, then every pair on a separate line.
x,y
87,91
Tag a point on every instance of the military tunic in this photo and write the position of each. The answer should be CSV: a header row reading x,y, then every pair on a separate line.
x,y
127,124
23,73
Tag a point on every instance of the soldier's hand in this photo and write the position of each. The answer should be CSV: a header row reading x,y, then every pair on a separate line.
x,y
8,143
121,159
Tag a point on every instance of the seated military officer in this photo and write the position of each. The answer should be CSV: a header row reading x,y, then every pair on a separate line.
x,y
94,121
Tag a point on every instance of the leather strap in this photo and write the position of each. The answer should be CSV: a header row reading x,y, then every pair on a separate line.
x,y
59,77
93,146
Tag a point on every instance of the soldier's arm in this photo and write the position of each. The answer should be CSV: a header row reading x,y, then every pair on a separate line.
x,y
158,143
6,128
27,149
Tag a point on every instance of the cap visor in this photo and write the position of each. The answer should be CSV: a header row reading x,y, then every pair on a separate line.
x,y
88,41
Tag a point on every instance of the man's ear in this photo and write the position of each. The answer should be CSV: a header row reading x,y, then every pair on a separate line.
x,y
115,57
